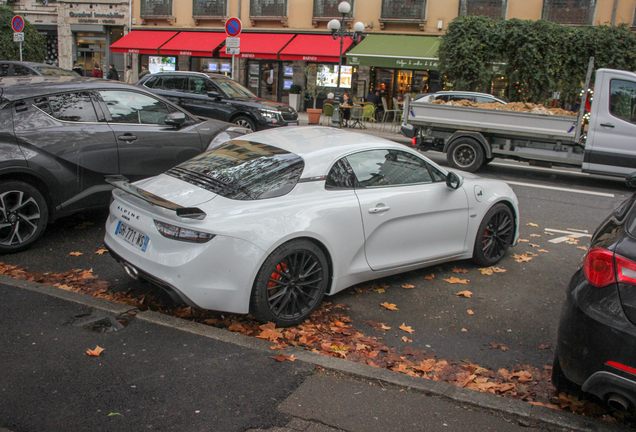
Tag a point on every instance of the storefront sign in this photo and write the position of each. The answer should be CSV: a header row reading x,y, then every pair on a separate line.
x,y
393,62
79,16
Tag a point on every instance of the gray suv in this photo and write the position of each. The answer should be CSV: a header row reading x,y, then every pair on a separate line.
x,y
60,137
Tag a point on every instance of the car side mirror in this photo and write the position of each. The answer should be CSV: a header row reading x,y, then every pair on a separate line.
x,y
214,95
453,181
630,180
175,119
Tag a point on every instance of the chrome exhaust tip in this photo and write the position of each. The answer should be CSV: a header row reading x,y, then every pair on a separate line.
x,y
131,271
618,402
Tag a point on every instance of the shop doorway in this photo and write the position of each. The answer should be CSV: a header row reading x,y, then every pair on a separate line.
x,y
270,79
91,50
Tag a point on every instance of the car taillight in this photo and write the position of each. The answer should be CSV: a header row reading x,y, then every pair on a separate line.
x,y
182,234
622,367
599,267
625,270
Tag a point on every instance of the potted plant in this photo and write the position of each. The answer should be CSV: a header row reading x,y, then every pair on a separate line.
x,y
294,96
311,91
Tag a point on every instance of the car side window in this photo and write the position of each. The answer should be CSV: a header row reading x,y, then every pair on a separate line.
x,y
131,107
19,70
173,83
341,176
4,69
482,99
623,100
199,85
377,168
73,107
151,82
456,98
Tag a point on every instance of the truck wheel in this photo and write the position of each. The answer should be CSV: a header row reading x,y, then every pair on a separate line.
x,y
23,216
465,154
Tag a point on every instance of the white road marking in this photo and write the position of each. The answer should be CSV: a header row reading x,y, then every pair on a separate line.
x,y
570,235
539,168
608,195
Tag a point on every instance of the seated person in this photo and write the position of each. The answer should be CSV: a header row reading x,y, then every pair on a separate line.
x,y
374,98
346,104
330,99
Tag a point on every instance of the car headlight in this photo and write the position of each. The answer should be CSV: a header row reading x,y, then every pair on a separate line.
x,y
270,116
182,234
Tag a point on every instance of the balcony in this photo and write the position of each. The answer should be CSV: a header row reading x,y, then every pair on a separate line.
x,y
403,12
495,9
209,10
270,10
156,9
326,10
574,12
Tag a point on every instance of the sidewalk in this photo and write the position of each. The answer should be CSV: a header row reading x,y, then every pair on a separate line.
x,y
162,373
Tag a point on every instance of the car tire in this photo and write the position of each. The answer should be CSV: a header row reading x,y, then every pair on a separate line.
x,y
494,236
23,216
465,154
246,122
290,284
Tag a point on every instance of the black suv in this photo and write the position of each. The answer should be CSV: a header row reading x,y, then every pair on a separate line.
x,y
61,136
219,97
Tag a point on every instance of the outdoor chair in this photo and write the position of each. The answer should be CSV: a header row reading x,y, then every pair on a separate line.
x,y
387,111
327,110
357,114
368,114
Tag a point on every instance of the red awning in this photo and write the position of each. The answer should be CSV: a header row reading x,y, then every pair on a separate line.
x,y
322,48
142,42
201,44
261,45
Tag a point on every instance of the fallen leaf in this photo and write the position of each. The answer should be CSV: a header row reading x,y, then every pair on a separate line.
x,y
464,330
96,352
486,271
470,312
384,326
582,247
406,328
454,280
268,331
458,270
543,347
533,245
389,306
282,357
277,347
522,258
522,376
494,345
430,277
113,414
408,286
523,240
548,233
532,224
535,235
101,251
76,253
407,340
379,290
466,294
543,250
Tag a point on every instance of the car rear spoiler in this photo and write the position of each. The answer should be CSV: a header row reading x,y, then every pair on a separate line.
x,y
122,183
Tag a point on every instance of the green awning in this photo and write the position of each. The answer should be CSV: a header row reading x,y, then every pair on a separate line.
x,y
399,52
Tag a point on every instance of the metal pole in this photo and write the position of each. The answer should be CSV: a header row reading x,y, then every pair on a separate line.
x,y
20,50
233,73
335,118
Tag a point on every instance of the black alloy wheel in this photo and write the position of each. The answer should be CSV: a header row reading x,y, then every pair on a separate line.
x,y
23,216
494,236
290,284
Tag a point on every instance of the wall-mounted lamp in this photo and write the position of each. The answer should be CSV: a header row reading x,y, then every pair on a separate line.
x,y
440,24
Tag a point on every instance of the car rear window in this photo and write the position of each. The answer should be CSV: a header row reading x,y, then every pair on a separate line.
x,y
243,170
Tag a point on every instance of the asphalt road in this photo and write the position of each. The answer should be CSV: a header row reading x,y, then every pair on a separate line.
x,y
518,309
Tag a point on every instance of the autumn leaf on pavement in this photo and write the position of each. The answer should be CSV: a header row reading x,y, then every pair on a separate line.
x,y
522,376
523,240
470,312
542,346
406,328
494,345
458,270
532,224
548,233
389,306
379,290
533,245
464,330
466,294
268,331
582,247
543,250
408,286
406,340
535,235
522,258
278,347
101,251
491,270
429,277
454,280
76,253
96,352
283,357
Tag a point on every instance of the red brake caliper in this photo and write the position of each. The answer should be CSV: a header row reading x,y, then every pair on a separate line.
x,y
275,275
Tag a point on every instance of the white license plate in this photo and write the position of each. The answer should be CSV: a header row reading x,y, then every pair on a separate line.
x,y
292,124
132,236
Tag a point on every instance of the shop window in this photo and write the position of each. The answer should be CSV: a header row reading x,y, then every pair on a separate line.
x,y
403,11
209,8
579,12
495,9
156,8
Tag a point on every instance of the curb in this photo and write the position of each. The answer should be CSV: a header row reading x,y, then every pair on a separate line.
x,y
486,401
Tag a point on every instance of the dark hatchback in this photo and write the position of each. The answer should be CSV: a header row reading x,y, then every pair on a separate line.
x,y
596,344
60,137
23,68
221,98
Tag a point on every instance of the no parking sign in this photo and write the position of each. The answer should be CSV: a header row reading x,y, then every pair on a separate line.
x,y
233,27
17,23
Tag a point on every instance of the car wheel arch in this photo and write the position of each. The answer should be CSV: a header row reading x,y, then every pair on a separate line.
x,y
238,114
41,184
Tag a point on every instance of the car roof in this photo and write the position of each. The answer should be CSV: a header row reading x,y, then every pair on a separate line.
x,y
320,146
15,88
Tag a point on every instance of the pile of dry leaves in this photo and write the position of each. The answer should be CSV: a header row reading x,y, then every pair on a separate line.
x,y
512,106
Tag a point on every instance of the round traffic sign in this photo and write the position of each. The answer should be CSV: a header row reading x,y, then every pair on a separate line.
x,y
17,23
233,27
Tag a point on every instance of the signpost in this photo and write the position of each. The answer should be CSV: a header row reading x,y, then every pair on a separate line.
x,y
233,27
17,23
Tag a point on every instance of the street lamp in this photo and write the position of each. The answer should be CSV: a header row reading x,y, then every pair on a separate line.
x,y
338,31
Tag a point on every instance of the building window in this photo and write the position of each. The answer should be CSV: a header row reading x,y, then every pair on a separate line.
x,y
495,9
329,8
156,8
268,8
404,9
579,12
209,8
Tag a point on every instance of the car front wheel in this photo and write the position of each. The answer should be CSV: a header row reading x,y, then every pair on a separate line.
x,y
23,216
494,236
290,284
246,122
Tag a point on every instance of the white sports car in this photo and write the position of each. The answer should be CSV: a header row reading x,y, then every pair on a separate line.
x,y
272,222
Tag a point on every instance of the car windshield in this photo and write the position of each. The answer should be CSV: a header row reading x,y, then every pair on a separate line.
x,y
243,170
234,89
52,71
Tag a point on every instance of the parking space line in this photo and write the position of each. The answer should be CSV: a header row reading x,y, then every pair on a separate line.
x,y
570,235
603,194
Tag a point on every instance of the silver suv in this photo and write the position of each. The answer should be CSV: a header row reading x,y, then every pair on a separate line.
x,y
447,96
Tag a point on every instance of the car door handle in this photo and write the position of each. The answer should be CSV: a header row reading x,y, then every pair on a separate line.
x,y
609,125
127,137
379,209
